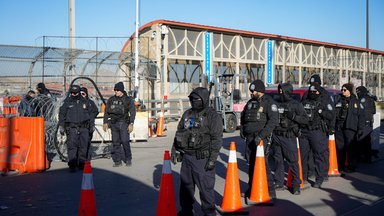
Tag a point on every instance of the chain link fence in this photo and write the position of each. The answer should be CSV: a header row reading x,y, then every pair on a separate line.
x,y
99,59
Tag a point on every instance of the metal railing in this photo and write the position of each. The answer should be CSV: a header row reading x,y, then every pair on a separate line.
x,y
172,108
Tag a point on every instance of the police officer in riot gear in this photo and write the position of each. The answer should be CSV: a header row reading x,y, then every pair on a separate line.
x,y
94,111
348,122
119,115
197,143
258,119
364,135
75,120
284,143
314,135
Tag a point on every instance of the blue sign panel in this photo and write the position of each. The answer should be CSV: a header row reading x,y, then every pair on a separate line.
x,y
207,58
270,63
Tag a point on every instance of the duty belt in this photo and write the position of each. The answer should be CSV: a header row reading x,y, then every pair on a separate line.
x,y
78,125
200,154
315,127
287,134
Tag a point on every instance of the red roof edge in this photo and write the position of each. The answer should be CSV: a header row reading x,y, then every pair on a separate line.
x,y
249,33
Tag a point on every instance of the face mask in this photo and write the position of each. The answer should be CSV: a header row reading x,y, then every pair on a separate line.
x,y
196,104
360,95
284,97
313,96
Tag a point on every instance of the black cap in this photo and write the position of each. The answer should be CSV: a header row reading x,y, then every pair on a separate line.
x,y
40,86
119,86
315,79
74,89
348,86
83,89
258,86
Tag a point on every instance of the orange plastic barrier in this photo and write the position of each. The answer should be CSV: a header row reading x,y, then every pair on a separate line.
x,y
10,105
6,110
4,139
14,103
25,150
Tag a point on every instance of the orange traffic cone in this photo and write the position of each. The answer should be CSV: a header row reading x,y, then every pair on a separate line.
x,y
149,131
166,204
232,198
259,190
333,166
160,125
289,178
87,196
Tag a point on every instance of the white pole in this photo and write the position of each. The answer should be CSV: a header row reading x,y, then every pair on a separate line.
x,y
136,92
71,29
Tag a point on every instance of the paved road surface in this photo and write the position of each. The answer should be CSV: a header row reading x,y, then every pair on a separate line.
x,y
134,190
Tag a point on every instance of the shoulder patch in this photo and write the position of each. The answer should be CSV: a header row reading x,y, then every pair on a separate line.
x,y
274,108
362,100
329,107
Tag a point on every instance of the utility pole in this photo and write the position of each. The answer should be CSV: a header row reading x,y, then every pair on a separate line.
x,y
136,90
71,33
366,41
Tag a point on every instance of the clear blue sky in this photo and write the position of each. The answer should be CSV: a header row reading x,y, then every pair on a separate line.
x,y
24,22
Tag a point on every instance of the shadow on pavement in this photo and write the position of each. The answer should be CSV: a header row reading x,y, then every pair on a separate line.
x,y
57,193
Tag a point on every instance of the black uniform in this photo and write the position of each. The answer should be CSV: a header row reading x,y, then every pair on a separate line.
x,y
325,96
119,113
364,135
314,136
75,118
94,111
199,139
284,141
348,123
258,119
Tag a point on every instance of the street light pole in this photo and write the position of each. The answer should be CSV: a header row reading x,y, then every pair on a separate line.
x,y
136,90
366,39
71,31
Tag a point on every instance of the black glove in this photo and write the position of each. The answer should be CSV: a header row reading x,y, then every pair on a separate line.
x,y
210,165
173,156
290,115
257,140
61,130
